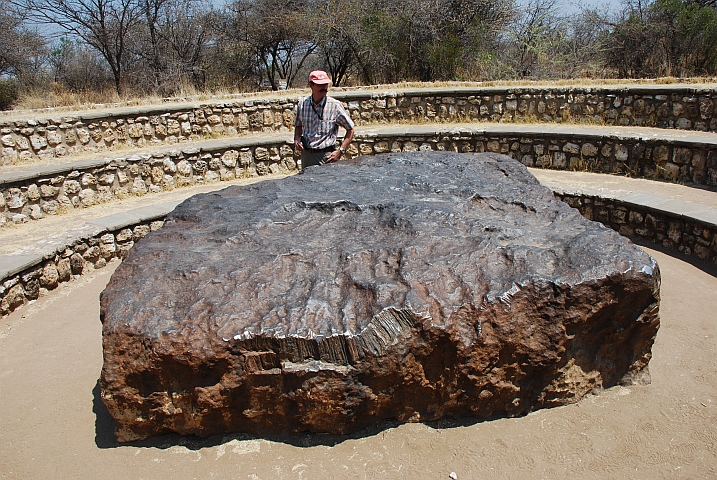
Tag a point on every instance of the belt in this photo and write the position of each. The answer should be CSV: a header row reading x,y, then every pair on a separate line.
x,y
321,150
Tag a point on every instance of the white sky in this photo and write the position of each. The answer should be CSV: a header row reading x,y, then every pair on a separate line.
x,y
574,5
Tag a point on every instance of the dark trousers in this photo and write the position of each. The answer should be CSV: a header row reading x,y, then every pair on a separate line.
x,y
313,158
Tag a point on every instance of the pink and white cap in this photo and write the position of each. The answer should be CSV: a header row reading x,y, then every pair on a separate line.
x,y
319,77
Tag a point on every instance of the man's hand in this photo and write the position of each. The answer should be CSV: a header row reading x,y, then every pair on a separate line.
x,y
334,156
297,144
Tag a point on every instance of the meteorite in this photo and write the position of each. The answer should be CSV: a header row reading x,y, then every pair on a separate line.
x,y
408,286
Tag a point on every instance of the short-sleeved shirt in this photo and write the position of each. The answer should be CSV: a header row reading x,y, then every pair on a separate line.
x,y
320,123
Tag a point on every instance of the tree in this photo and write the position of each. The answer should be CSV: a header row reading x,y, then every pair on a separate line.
x,y
338,55
690,40
427,39
461,30
188,33
534,34
105,25
664,38
18,45
543,43
278,33
170,45
582,52
705,3
77,67
151,49
630,48
338,36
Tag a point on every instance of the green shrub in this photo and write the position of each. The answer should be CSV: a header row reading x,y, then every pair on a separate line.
x,y
8,93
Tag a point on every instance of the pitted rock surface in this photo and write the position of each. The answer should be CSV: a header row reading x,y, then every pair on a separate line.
x,y
410,286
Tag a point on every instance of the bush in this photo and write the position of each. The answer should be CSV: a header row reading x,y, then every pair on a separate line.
x,y
8,93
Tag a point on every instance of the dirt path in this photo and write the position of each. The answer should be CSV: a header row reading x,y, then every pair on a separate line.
x,y
51,425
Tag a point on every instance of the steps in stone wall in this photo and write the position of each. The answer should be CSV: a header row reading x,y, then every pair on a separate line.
x,y
47,249
678,153
677,156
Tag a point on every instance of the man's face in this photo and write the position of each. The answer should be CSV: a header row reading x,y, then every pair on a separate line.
x,y
318,91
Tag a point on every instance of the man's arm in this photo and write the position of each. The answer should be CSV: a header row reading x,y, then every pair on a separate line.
x,y
347,138
336,155
298,131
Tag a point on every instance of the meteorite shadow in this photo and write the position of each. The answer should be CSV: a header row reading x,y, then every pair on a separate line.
x,y
104,437
104,423
695,262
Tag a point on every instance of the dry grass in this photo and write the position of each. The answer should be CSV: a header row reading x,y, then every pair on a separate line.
x,y
548,83
58,97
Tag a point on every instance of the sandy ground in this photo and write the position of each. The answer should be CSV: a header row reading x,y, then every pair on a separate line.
x,y
52,424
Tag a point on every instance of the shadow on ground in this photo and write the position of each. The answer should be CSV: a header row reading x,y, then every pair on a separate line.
x,y
708,268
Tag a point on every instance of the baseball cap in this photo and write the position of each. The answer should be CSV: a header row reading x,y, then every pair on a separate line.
x,y
319,77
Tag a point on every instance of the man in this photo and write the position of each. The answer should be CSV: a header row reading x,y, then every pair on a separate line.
x,y
318,118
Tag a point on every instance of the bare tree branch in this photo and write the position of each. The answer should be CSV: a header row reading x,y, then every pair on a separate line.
x,y
105,25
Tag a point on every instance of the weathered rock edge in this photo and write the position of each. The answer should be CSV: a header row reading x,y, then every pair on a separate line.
x,y
410,286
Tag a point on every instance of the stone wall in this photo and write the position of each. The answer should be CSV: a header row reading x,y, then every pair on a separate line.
x,y
47,138
685,235
27,199
61,136
85,184
573,149
84,253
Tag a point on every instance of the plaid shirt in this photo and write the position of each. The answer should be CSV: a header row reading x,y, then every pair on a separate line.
x,y
320,123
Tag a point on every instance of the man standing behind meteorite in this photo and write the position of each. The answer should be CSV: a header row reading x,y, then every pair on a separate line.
x,y
318,118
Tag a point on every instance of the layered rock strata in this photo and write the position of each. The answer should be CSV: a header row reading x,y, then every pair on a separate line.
x,y
411,286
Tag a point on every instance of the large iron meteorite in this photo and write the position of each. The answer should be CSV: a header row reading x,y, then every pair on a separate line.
x,y
410,286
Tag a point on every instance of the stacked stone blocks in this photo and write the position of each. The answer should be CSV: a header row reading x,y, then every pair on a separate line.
x,y
70,262
27,198
688,236
677,107
47,138
31,199
654,159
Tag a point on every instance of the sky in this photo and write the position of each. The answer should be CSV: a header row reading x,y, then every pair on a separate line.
x,y
574,5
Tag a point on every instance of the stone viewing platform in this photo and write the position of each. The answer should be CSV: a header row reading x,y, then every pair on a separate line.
x,y
57,135
51,354
65,192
